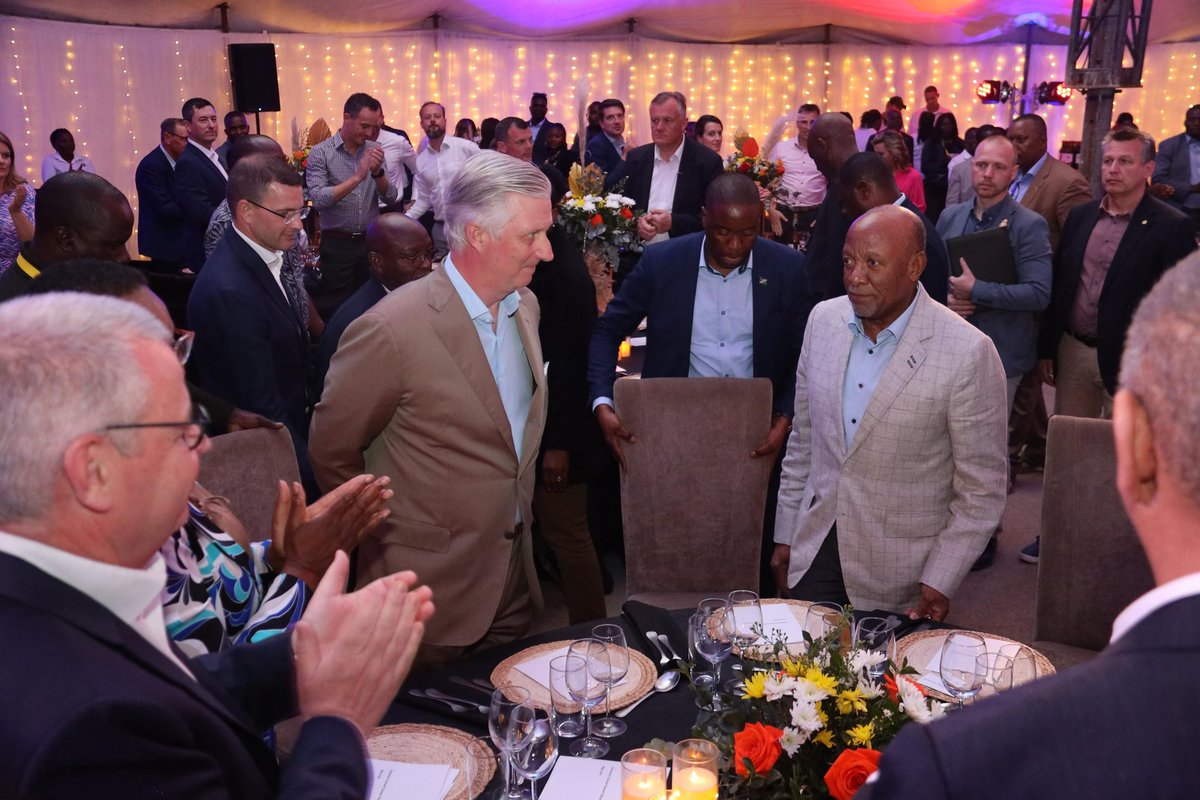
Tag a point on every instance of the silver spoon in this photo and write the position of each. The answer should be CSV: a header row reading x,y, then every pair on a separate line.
x,y
665,683
453,706
663,658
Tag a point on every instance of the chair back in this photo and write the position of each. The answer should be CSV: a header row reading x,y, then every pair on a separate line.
x,y
245,467
692,499
1091,564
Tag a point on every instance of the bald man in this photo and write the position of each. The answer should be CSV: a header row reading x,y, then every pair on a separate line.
x,y
894,476
830,143
77,215
399,251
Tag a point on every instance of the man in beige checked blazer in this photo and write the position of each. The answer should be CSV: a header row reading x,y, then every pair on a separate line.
x,y
441,386
896,469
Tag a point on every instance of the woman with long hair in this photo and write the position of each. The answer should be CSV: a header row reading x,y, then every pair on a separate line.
x,y
465,129
941,145
16,206
558,155
890,145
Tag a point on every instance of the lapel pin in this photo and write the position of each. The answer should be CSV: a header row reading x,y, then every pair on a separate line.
x,y
1145,221
762,281
912,361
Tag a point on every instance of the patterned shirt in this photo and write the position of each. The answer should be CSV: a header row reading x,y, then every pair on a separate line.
x,y
218,595
330,163
10,244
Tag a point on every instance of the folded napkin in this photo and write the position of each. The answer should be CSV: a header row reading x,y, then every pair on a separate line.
x,y
642,618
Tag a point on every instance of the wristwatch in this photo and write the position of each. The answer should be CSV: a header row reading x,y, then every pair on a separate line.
x,y
377,175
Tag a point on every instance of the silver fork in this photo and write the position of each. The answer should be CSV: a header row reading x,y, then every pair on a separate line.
x,y
453,706
663,657
439,695
662,637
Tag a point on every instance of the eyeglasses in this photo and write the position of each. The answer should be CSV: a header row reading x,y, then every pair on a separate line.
x,y
182,345
193,429
288,217
428,257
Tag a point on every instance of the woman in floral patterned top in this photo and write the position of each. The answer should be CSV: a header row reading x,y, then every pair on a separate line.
x,y
16,206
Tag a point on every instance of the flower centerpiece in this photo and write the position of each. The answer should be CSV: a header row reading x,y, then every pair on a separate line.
x,y
299,159
604,225
747,159
809,720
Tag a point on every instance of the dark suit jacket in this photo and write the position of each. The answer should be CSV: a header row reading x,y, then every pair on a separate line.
x,y
1158,236
662,290
1173,166
567,297
160,216
539,142
14,282
199,188
91,709
251,347
601,152
697,167
355,306
1109,728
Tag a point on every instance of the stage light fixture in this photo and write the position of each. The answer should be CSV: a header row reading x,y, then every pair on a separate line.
x,y
992,91
1053,93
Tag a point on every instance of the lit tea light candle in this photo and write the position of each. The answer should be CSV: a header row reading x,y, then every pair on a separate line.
x,y
695,783
694,770
624,350
643,775
643,787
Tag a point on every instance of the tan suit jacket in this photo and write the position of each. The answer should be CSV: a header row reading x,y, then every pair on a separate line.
x,y
410,395
1055,190
922,487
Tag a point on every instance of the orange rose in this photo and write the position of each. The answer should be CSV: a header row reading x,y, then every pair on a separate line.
x,y
850,771
597,220
760,744
625,213
750,148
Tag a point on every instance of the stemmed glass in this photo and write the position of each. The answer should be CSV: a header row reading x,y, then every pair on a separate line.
x,y
822,619
997,672
587,669
534,744
959,664
745,614
508,722
711,634
613,637
1024,667
878,635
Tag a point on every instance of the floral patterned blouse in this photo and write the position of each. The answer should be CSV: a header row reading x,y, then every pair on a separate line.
x,y
218,595
9,243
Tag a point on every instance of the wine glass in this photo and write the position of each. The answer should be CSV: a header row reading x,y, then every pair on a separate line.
x,y
505,719
587,664
745,613
534,745
877,634
959,667
711,634
1024,666
997,672
822,619
613,637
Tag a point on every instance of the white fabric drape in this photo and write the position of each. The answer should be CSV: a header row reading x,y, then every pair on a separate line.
x,y
113,85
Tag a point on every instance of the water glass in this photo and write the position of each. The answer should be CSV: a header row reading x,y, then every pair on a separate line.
x,y
997,671
1023,663
877,635
533,744
566,710
959,667
506,718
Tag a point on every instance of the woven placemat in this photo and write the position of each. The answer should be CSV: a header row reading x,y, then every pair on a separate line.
x,y
919,648
410,743
638,680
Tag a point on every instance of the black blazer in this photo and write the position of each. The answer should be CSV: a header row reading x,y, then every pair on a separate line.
x,y
1158,236
662,290
697,167
567,297
251,347
160,215
1110,727
91,709
199,188
601,152
355,306
539,142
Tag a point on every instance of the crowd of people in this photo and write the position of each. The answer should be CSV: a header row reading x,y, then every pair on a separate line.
x,y
429,337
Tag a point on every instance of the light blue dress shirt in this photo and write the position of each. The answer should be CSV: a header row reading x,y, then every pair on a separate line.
x,y
1020,184
865,367
722,343
1193,198
504,350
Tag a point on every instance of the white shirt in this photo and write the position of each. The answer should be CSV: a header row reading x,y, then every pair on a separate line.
x,y
398,153
1152,601
435,169
662,185
54,164
133,596
272,258
802,183
211,155
862,136
534,130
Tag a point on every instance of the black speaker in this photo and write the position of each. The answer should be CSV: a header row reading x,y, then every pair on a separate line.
x,y
254,77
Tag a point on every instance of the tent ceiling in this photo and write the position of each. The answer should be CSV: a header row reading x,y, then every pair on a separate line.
x,y
916,21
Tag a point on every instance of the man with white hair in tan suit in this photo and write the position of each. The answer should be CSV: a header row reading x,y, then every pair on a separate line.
x,y
441,387
896,468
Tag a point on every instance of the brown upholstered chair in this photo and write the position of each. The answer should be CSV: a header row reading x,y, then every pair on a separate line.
x,y
245,467
1091,564
692,499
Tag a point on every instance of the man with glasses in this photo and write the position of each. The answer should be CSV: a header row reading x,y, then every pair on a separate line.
x,y
160,217
102,449
252,346
399,251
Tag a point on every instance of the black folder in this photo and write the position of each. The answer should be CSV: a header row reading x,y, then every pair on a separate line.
x,y
989,254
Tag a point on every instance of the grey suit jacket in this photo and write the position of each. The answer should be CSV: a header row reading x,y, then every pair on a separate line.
x,y
959,187
1173,166
1006,312
409,394
922,487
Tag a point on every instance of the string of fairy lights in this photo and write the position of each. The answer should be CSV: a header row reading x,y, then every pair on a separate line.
x,y
113,85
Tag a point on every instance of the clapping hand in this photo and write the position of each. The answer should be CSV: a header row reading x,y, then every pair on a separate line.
x,y
18,199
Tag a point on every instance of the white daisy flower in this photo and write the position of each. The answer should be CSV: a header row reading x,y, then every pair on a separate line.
x,y
792,739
